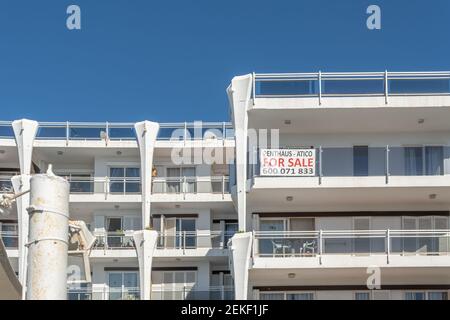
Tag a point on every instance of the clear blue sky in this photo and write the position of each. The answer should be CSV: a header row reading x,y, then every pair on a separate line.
x,y
171,60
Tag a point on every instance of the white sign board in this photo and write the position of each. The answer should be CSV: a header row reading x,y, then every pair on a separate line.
x,y
288,162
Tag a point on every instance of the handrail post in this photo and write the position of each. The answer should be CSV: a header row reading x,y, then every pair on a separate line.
x,y
224,133
184,187
185,133
106,187
223,187
254,88
67,133
388,244
320,165
387,164
386,89
107,133
184,242
320,87
320,245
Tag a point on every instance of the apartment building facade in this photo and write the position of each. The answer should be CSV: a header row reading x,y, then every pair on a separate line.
x,y
323,186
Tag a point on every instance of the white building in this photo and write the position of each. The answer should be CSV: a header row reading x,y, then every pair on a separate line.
x,y
362,197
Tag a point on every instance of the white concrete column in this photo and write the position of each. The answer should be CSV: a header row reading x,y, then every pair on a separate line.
x,y
145,241
24,133
48,238
146,133
239,95
240,251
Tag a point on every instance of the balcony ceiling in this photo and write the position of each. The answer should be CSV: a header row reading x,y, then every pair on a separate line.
x,y
348,120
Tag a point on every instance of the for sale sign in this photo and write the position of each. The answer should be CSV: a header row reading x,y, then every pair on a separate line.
x,y
288,162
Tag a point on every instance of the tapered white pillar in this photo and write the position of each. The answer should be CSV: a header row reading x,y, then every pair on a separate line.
x,y
239,95
146,133
24,133
240,256
145,241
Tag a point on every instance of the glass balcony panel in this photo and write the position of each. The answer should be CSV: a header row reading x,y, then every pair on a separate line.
x,y
419,86
122,133
286,87
86,133
353,87
51,133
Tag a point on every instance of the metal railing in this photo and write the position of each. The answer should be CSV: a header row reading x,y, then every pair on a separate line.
x,y
106,185
10,239
192,293
92,131
338,84
186,240
383,161
120,240
358,242
191,185
103,293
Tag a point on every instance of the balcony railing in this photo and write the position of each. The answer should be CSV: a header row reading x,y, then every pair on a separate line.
x,y
360,242
191,185
114,241
383,161
10,239
192,293
107,185
188,240
103,294
324,84
92,131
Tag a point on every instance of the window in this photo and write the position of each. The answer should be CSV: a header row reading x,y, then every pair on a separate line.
x,y
271,296
360,161
9,234
79,182
176,177
438,295
428,160
300,296
123,285
124,180
418,295
423,244
115,232
362,295
179,285
180,233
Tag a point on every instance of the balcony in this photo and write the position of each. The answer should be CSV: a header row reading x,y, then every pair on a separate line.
x,y
324,84
195,188
191,240
98,131
357,248
170,292
114,241
358,175
103,293
99,189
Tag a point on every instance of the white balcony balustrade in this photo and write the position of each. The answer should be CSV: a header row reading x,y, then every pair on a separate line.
x,y
191,185
120,240
106,185
103,293
350,84
179,292
354,243
190,240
